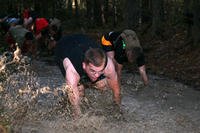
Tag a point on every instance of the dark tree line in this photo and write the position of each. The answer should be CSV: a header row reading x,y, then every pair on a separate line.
x,y
152,16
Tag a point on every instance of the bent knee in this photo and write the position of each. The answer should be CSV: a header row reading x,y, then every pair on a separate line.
x,y
101,84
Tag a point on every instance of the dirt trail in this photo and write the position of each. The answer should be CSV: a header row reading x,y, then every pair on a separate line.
x,y
34,102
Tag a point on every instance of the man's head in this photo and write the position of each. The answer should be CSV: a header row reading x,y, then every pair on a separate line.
x,y
95,61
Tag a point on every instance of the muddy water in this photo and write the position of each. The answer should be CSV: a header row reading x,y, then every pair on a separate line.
x,y
33,101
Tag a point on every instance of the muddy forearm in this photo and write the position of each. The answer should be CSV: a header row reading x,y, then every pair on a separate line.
x,y
143,74
114,85
73,95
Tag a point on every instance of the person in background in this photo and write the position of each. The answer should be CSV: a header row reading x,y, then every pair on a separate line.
x,y
25,15
40,28
80,60
8,21
124,47
29,16
55,29
23,38
55,33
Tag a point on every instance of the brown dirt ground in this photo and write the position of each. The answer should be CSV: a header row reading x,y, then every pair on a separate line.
x,y
163,106
175,58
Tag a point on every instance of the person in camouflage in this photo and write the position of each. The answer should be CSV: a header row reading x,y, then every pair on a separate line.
x,y
24,39
125,47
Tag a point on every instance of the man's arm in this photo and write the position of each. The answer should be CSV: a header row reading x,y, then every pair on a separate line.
x,y
118,67
119,70
72,80
111,54
143,74
112,80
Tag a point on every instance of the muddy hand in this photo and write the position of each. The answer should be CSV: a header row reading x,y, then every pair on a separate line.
x,y
74,99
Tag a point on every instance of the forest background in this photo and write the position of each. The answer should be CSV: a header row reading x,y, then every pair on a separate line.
x,y
169,30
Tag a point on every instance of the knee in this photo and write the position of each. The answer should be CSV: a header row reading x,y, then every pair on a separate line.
x,y
101,84
81,90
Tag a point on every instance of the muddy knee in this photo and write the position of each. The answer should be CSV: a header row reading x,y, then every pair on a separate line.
x,y
101,84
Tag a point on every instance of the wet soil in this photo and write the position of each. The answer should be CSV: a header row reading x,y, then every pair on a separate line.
x,y
33,99
176,58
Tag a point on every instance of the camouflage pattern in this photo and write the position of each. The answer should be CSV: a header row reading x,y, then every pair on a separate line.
x,y
130,38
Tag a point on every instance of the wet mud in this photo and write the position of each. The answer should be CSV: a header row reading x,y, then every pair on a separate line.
x,y
32,100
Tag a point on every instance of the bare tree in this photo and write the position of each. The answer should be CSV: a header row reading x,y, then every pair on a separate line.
x,y
103,19
146,11
188,17
196,20
157,17
132,13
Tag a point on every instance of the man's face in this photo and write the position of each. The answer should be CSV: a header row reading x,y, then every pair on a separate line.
x,y
92,71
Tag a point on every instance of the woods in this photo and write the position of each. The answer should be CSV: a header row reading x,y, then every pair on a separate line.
x,y
33,92
155,17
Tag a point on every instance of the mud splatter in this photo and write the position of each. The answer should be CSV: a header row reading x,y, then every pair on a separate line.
x,y
33,99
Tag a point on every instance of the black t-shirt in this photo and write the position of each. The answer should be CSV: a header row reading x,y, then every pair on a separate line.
x,y
74,48
117,45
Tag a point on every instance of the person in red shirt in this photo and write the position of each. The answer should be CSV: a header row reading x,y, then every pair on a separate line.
x,y
26,14
40,28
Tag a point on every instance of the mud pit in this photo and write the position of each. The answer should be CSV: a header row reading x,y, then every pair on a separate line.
x,y
32,100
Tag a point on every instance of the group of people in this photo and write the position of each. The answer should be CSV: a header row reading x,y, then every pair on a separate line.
x,y
33,34
82,60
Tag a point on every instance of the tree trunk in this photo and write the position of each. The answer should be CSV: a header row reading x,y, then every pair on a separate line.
x,y
97,12
146,14
103,13
106,7
132,13
114,13
69,8
157,17
54,8
188,18
77,13
196,20
89,7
